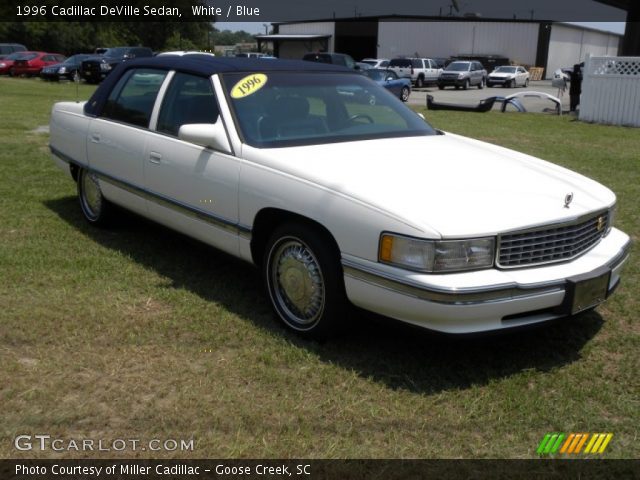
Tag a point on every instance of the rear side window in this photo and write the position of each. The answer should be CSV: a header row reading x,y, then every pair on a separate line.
x,y
400,62
189,99
416,63
131,100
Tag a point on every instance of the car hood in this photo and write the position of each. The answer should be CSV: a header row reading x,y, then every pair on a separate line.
x,y
502,75
444,184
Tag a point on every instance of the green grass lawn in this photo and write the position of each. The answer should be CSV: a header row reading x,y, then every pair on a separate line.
x,y
138,333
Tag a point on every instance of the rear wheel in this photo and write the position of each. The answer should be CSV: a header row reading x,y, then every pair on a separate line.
x,y
420,82
440,87
404,94
94,206
304,280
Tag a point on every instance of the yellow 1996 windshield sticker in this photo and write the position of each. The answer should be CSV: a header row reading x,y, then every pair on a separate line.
x,y
248,85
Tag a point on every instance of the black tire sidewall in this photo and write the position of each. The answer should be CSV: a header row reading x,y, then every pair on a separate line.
x,y
101,218
335,303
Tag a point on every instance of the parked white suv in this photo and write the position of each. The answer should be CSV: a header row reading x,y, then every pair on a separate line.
x,y
421,71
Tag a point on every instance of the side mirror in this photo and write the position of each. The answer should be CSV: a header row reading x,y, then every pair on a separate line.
x,y
211,135
422,116
389,78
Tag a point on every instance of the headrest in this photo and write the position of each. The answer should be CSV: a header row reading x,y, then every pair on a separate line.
x,y
289,108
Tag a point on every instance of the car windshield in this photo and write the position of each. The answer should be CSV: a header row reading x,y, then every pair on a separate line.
x,y
458,67
115,52
27,56
378,75
505,70
279,109
14,56
75,59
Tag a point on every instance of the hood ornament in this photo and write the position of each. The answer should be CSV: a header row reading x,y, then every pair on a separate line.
x,y
568,199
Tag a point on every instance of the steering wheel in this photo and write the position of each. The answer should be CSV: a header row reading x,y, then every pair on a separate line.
x,y
360,115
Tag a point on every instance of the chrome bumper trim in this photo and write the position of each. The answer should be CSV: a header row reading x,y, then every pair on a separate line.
x,y
463,296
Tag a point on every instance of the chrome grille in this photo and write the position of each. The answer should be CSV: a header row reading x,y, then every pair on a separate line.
x,y
551,243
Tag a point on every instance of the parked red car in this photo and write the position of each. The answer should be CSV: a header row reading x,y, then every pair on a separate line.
x,y
30,63
7,62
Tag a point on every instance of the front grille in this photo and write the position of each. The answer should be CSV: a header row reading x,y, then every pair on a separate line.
x,y
551,243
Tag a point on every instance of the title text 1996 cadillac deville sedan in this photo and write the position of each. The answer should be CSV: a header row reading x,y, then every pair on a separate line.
x,y
284,165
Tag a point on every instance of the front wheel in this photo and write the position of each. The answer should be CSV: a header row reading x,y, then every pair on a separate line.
x,y
420,82
481,84
466,84
526,83
304,280
94,206
404,94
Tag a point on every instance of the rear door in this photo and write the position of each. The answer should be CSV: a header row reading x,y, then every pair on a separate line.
x,y
118,137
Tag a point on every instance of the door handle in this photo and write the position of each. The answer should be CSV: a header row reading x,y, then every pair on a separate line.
x,y
155,157
95,137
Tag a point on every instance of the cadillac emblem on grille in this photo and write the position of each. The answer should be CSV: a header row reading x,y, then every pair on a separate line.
x,y
568,199
602,221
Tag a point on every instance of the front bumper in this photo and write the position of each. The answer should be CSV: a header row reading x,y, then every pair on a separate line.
x,y
482,300
498,81
448,82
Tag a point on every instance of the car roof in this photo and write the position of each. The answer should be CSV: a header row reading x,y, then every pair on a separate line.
x,y
204,65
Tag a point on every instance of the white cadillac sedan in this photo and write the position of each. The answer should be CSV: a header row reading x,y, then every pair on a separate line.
x,y
310,172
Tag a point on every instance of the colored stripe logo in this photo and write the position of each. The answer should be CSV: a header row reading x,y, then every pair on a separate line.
x,y
574,443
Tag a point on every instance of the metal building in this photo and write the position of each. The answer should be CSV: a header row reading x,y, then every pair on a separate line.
x,y
528,42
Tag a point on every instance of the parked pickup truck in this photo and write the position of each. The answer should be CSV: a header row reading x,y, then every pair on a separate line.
x,y
273,163
95,69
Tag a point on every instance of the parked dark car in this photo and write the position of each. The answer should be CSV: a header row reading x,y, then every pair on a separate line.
x,y
463,74
9,48
32,63
333,58
67,70
400,87
96,68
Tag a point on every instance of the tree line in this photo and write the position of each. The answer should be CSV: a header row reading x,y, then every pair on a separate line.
x,y
81,37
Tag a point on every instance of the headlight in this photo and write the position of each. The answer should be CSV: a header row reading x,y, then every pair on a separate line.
x,y
2,65
436,255
62,70
460,76
105,67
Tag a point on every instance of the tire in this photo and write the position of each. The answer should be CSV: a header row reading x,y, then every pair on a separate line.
x,y
404,94
95,208
512,84
466,85
440,87
420,82
304,281
481,84
12,72
526,83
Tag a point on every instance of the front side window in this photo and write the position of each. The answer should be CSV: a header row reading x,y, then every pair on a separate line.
x,y
283,109
189,99
131,100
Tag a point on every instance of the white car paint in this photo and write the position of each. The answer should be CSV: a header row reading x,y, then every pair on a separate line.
x,y
458,188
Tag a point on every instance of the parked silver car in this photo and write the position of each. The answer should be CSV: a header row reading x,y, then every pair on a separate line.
x,y
463,74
